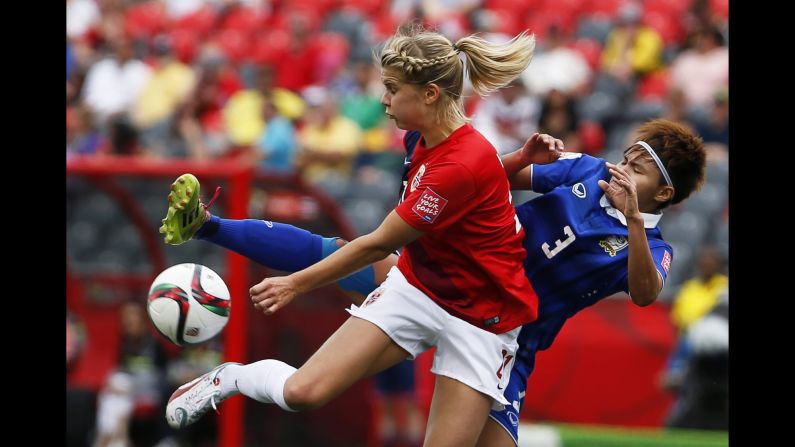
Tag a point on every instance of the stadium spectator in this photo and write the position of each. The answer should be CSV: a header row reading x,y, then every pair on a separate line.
x,y
115,404
82,135
142,364
699,375
277,146
329,142
168,88
559,117
557,67
113,84
703,71
244,112
716,128
296,68
200,120
632,49
400,424
700,294
508,116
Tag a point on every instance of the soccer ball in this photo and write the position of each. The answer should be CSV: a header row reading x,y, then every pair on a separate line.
x,y
188,304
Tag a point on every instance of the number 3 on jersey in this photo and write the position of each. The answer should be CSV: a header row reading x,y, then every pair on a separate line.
x,y
559,245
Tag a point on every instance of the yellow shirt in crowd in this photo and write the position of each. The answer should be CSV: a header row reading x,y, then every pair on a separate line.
x,y
695,299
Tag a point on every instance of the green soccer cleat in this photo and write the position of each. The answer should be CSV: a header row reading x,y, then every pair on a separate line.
x,y
186,213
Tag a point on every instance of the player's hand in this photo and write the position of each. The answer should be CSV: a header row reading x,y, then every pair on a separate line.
x,y
271,294
621,191
541,149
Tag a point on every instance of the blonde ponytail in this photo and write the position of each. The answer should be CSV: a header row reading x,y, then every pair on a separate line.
x,y
419,57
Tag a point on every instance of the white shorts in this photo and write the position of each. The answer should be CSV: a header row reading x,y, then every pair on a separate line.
x,y
475,357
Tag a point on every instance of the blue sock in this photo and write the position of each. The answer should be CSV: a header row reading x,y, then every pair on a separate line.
x,y
274,245
281,247
362,281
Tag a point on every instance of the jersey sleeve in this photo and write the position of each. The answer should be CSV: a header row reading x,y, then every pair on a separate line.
x,y
442,196
663,255
570,168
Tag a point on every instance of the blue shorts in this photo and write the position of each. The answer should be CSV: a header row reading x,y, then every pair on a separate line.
x,y
508,418
398,379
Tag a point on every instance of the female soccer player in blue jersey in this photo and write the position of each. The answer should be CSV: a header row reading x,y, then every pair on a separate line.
x,y
591,234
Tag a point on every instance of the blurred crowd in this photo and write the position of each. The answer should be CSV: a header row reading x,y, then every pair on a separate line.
x,y
292,86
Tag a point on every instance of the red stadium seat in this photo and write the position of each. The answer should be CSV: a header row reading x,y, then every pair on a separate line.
x,y
384,25
508,22
539,23
520,8
667,26
234,43
332,51
591,136
184,42
242,19
607,8
566,10
311,15
368,8
269,47
654,86
320,7
145,20
720,7
590,49
201,21
667,7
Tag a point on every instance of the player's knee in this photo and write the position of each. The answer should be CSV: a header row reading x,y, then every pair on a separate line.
x,y
303,396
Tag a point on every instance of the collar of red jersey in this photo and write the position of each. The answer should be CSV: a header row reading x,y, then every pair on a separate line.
x,y
649,220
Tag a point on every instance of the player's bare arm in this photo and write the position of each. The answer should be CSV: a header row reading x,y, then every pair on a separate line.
x,y
540,148
271,294
644,280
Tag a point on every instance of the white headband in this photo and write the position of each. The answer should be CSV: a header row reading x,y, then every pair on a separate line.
x,y
656,160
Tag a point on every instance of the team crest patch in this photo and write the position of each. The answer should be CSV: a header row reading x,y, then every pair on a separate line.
x,y
614,244
579,190
373,296
513,418
192,332
666,261
417,178
429,205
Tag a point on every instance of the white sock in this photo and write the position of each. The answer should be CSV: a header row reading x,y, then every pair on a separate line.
x,y
263,381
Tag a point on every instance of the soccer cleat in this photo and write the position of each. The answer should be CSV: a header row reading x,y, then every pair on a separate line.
x,y
186,213
190,401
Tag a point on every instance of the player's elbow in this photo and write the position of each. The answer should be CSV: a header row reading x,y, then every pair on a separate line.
x,y
644,300
376,248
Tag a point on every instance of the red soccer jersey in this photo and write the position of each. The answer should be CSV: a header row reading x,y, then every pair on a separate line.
x,y
469,261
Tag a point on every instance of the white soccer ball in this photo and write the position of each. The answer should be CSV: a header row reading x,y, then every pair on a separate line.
x,y
189,304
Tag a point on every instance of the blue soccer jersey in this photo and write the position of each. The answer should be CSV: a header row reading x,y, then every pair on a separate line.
x,y
576,255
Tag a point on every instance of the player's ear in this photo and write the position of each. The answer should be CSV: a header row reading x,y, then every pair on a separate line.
x,y
664,194
431,93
